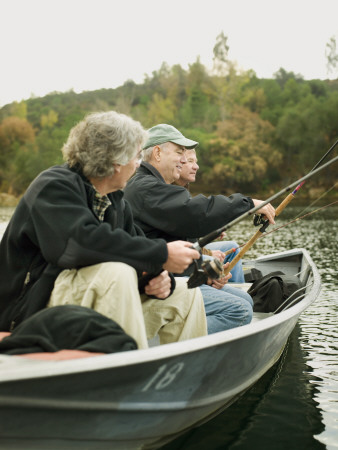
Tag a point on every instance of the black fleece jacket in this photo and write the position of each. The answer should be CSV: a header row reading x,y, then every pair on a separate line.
x,y
168,211
54,228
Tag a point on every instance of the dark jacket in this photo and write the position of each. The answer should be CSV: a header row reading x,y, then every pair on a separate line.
x,y
54,228
168,211
70,327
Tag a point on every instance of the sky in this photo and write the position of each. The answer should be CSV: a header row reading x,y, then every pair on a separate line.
x,y
84,45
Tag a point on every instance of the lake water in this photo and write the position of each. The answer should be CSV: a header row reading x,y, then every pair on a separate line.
x,y
294,406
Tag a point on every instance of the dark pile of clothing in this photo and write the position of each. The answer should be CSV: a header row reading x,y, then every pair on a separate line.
x,y
68,327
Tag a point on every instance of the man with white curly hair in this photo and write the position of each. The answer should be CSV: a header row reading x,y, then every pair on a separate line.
x,y
72,240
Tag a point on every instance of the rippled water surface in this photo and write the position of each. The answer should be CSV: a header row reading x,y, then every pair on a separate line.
x,y
295,404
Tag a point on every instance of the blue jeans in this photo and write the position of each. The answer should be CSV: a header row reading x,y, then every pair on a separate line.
x,y
226,308
223,246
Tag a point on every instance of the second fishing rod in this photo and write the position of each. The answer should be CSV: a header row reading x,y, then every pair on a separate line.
x,y
211,270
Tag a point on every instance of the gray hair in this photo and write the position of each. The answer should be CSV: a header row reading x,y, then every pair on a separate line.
x,y
147,153
102,139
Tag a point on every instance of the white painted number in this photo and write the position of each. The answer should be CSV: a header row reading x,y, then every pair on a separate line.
x,y
163,377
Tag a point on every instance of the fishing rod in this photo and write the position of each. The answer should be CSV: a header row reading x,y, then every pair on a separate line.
x,y
296,219
198,274
324,157
265,223
203,241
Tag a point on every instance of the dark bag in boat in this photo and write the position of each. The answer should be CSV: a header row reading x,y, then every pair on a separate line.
x,y
252,274
272,290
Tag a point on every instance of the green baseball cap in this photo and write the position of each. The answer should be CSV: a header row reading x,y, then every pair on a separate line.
x,y
167,133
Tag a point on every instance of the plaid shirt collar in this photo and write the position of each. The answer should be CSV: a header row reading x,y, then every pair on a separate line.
x,y
100,204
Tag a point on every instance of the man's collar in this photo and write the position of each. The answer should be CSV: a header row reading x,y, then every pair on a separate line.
x,y
90,188
147,167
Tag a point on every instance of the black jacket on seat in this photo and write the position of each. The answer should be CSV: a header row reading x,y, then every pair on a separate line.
x,y
69,327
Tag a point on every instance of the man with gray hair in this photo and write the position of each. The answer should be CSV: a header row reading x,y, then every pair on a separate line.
x,y
167,211
217,249
72,240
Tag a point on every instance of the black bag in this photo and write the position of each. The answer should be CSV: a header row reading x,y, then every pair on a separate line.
x,y
272,290
252,274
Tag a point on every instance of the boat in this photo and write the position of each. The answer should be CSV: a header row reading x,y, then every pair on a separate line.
x,y
143,399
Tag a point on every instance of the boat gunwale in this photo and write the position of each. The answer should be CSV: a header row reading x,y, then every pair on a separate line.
x,y
11,365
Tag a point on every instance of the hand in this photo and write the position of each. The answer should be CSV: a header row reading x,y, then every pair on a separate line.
x,y
218,255
268,210
159,286
222,236
180,256
220,282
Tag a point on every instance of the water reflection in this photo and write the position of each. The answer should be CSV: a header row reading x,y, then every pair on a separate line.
x,y
319,337
279,411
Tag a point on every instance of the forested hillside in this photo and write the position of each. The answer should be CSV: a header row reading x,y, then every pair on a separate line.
x,y
255,134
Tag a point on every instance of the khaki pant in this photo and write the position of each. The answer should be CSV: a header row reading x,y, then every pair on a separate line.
x,y
111,289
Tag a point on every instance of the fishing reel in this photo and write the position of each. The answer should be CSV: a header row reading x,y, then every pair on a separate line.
x,y
209,269
260,220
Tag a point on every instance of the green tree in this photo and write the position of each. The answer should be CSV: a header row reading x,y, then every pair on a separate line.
x,y
252,131
221,63
272,109
243,153
49,142
16,136
294,92
160,110
282,77
49,120
229,82
194,111
331,56
305,129
19,109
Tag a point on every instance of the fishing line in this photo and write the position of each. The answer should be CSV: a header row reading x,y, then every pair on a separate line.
x,y
317,200
203,241
232,250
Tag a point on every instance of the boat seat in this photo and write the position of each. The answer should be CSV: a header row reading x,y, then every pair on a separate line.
x,y
243,286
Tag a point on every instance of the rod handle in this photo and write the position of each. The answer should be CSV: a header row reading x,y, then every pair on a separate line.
x,y
284,203
244,249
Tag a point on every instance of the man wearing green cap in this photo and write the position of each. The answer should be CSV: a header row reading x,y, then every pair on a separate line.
x,y
167,211
219,248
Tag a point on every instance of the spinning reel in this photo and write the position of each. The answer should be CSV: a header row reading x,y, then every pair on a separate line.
x,y
258,220
209,269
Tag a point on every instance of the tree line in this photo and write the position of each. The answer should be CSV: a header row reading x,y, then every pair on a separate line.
x,y
255,135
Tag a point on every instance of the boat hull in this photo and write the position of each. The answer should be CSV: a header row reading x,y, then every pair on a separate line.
x,y
140,399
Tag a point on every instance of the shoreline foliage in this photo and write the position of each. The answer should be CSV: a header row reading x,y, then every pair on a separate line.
x,y
256,135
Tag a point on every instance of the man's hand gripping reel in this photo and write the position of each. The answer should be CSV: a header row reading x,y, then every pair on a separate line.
x,y
209,269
